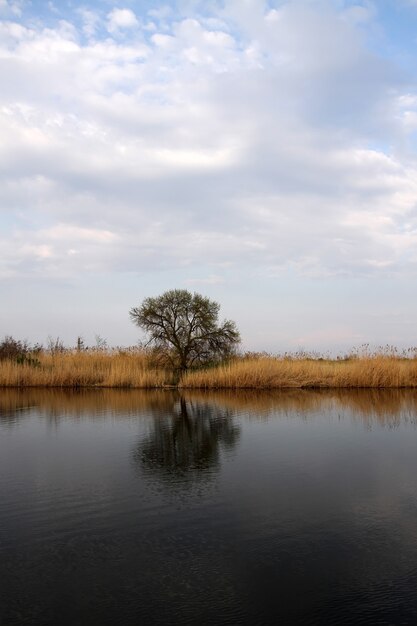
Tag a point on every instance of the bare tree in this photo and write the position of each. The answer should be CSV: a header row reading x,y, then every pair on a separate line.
x,y
184,328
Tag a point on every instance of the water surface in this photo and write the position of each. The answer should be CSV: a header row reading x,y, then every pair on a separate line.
x,y
128,507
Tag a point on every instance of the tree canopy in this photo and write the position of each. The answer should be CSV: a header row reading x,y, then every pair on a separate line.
x,y
184,327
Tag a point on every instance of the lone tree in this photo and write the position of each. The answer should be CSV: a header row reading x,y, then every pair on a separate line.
x,y
184,328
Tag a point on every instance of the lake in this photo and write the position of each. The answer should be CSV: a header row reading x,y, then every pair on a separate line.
x,y
151,507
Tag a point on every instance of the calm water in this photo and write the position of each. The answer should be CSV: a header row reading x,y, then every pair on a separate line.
x,y
152,508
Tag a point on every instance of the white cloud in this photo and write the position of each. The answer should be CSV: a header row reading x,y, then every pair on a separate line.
x,y
205,148
90,20
360,14
120,19
11,8
213,279
161,12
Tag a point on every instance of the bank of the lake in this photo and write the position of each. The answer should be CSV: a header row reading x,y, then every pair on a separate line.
x,y
137,369
374,371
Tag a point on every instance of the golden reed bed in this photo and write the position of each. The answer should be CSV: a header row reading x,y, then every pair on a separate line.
x,y
134,369
377,371
84,369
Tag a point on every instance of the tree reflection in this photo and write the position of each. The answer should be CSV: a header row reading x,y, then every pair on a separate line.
x,y
185,444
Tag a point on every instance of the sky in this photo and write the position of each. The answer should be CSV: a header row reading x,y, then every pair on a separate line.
x,y
261,153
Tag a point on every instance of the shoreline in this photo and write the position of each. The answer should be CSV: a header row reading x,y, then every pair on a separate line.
x,y
136,370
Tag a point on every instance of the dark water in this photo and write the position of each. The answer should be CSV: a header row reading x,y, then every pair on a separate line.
x,y
151,508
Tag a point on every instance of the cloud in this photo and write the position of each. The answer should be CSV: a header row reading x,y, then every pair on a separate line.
x,y
269,140
120,19
162,12
359,13
11,8
213,279
90,21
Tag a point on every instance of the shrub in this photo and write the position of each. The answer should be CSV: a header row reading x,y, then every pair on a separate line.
x,y
13,349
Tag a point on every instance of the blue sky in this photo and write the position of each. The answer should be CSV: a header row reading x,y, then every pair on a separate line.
x,y
261,153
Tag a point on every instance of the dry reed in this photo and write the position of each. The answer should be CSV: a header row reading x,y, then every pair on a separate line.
x,y
375,371
84,369
135,369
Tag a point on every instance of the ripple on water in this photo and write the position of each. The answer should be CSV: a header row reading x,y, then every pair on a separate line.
x,y
202,512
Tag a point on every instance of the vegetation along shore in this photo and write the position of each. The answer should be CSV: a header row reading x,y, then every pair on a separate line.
x,y
187,347
22,365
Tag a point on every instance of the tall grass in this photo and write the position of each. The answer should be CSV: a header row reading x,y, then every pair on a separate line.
x,y
135,368
372,371
83,369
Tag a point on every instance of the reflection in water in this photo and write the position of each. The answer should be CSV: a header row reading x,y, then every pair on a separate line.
x,y
386,406
185,442
60,404
313,520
